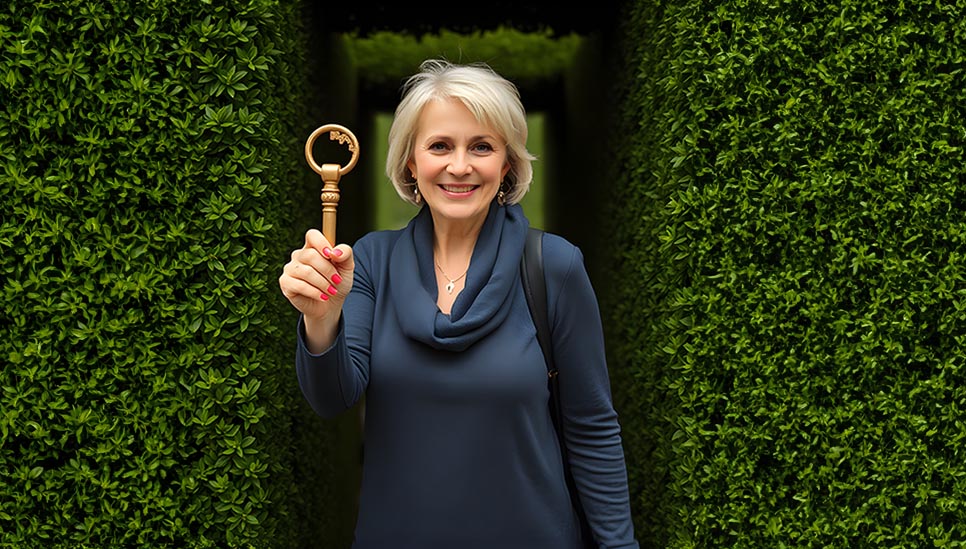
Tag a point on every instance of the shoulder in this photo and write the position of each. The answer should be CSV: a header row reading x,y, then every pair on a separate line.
x,y
375,247
560,256
377,242
566,274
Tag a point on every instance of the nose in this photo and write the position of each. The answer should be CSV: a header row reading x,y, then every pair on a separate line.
x,y
459,163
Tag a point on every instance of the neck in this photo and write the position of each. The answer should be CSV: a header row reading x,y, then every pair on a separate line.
x,y
453,242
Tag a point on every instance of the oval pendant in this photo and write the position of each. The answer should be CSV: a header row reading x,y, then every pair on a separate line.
x,y
449,288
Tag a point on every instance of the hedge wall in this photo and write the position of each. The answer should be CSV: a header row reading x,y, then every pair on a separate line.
x,y
148,151
789,312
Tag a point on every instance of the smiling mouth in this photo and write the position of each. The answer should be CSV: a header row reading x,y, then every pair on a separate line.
x,y
458,188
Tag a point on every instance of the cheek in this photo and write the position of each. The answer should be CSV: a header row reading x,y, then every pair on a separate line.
x,y
424,164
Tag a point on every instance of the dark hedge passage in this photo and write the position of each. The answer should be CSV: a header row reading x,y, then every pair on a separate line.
x,y
146,393
789,304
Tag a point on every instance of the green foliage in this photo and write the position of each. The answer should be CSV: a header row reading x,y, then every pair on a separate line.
x,y
792,207
145,397
388,58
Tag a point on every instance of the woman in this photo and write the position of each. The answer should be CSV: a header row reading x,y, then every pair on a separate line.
x,y
432,324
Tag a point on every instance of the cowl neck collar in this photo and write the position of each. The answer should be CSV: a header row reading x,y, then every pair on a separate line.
x,y
483,303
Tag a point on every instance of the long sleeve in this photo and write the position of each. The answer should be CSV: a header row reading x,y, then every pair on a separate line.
x,y
334,380
460,446
591,428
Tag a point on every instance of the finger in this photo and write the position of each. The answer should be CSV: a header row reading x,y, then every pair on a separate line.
x,y
295,288
342,257
328,261
310,267
314,239
341,254
304,282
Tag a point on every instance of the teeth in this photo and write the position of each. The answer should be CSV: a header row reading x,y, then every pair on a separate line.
x,y
457,189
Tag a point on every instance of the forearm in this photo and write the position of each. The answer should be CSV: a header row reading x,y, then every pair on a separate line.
x,y
330,380
596,460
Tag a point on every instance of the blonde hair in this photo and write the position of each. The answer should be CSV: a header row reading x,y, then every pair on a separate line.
x,y
493,100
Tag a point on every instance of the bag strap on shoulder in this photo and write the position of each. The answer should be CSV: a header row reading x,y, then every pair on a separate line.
x,y
535,286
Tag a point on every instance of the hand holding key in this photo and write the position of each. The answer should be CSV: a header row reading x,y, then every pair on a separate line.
x,y
319,275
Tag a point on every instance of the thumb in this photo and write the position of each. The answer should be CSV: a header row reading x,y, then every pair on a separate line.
x,y
315,239
342,257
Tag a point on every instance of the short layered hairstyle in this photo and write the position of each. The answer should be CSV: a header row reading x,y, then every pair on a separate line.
x,y
493,100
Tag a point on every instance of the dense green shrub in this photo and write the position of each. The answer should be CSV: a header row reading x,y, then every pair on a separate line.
x,y
148,153
384,59
793,215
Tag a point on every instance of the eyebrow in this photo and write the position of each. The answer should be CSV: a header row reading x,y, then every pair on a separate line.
x,y
474,138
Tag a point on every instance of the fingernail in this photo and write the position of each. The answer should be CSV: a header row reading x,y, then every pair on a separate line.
x,y
332,290
327,252
336,252
325,297
336,279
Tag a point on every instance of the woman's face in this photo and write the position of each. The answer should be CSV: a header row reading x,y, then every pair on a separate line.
x,y
458,162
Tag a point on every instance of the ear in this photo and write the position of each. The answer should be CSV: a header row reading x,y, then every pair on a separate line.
x,y
411,164
506,169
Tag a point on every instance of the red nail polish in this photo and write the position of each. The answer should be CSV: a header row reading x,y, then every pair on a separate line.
x,y
325,297
327,252
336,279
332,290
336,252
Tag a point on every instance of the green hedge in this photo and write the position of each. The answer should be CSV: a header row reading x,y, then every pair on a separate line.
x,y
385,59
789,313
148,156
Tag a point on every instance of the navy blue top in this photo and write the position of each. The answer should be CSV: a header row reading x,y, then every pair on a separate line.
x,y
460,446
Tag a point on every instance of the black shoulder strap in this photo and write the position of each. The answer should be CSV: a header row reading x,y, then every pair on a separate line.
x,y
535,288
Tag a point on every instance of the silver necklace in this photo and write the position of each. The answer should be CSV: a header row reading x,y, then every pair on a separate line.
x,y
452,282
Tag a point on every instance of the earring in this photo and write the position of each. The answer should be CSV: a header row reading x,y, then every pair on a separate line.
x,y
416,195
501,196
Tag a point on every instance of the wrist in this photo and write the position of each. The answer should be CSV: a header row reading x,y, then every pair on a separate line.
x,y
320,332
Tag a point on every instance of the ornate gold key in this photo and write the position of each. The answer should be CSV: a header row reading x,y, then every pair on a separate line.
x,y
331,173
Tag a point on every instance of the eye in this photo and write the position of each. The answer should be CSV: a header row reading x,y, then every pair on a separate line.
x,y
482,147
437,146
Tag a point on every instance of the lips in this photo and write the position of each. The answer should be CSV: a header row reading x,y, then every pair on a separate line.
x,y
459,189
